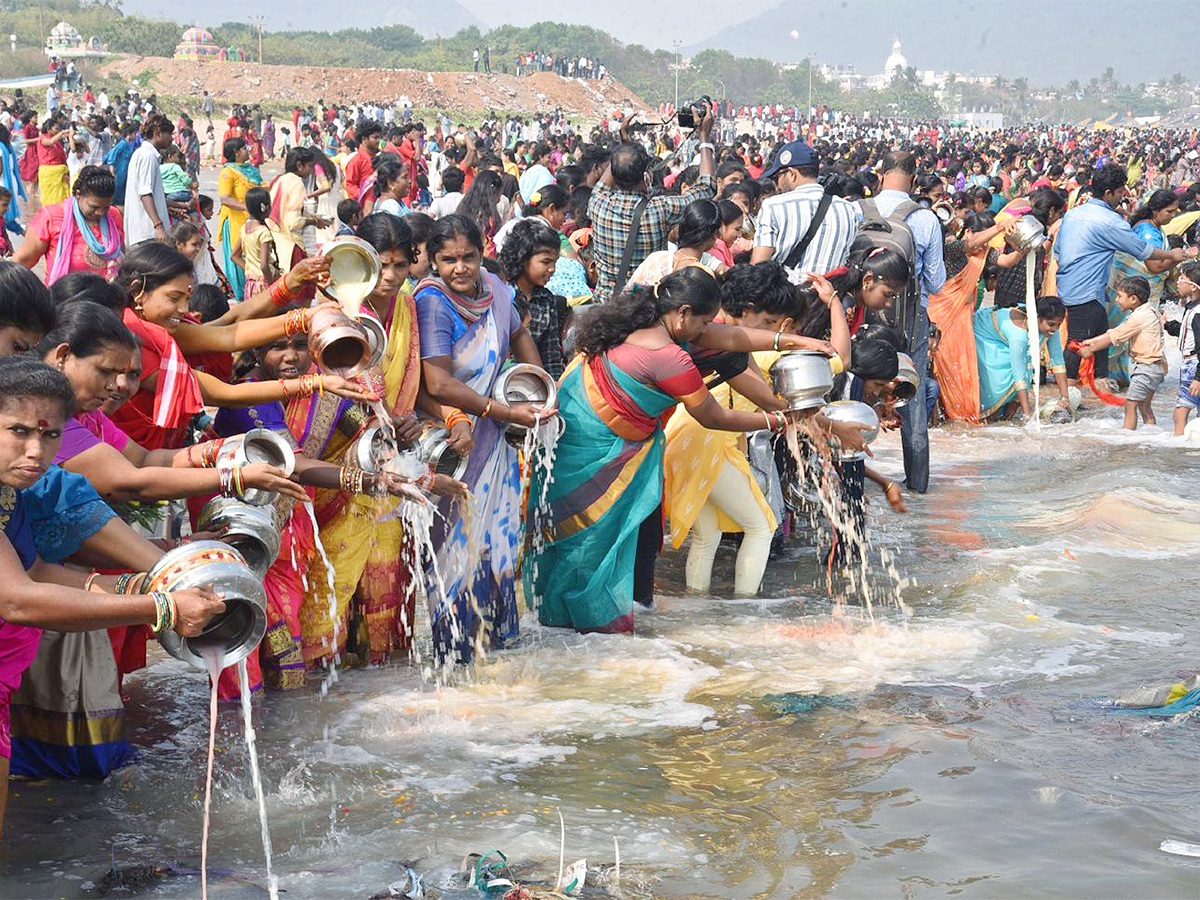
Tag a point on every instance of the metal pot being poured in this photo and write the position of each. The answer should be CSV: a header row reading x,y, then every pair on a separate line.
x,y
238,630
354,269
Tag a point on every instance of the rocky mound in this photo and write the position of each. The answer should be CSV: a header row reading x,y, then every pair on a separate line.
x,y
243,82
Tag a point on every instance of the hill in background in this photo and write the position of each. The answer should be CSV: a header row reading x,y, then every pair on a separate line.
x,y
1044,42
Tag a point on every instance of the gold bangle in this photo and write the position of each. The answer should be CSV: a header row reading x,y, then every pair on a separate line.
x,y
90,580
487,409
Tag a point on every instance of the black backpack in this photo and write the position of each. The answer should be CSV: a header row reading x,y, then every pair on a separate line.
x,y
892,233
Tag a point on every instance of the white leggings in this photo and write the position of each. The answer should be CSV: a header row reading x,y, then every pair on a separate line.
x,y
732,495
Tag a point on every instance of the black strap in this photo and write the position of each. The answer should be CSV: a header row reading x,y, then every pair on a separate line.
x,y
793,258
627,257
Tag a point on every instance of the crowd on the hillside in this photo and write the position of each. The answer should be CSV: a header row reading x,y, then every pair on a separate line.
x,y
655,271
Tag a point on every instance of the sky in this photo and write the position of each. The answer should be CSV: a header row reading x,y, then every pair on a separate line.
x,y
631,21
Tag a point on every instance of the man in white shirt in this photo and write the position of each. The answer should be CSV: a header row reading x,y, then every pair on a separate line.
x,y
784,219
146,215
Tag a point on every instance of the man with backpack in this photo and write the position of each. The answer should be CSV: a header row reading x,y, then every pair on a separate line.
x,y
803,227
912,226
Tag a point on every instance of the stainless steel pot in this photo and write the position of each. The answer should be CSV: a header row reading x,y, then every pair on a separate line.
x,y
235,632
371,450
907,381
857,413
524,383
258,445
338,344
250,530
376,336
802,378
354,269
1027,234
433,448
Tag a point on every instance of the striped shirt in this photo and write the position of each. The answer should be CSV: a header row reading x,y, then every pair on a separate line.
x,y
784,219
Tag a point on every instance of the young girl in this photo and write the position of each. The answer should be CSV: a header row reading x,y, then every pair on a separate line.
x,y
709,485
529,258
255,250
1188,332
732,217
189,238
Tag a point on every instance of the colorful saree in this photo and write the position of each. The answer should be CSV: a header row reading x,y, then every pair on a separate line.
x,y
607,479
475,553
955,363
279,663
1002,350
375,598
235,181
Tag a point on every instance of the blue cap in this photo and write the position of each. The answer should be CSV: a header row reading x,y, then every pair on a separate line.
x,y
796,153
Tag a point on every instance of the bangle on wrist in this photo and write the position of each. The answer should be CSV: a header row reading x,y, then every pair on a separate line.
x,y
90,580
778,335
487,409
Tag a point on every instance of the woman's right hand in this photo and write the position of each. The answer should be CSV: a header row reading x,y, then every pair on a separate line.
x,y
307,270
195,608
800,342
269,478
527,414
460,438
851,436
823,287
351,390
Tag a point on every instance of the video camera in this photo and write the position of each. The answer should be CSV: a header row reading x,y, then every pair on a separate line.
x,y
690,114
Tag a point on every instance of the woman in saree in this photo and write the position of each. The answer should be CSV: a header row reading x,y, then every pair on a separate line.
x,y
952,310
236,178
1002,370
372,561
1147,222
158,282
29,159
34,403
469,326
10,178
289,194
698,231
1045,204
632,369
83,233
52,162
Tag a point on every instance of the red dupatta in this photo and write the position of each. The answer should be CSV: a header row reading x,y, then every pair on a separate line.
x,y
177,394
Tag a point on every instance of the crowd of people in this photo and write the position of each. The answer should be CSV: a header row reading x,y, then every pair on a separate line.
x,y
656,272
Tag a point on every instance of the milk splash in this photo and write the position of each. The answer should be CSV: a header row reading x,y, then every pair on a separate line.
x,y
538,451
213,657
842,527
256,778
334,655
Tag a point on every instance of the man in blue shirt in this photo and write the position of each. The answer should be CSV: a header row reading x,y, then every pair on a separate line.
x,y
899,169
117,161
1087,239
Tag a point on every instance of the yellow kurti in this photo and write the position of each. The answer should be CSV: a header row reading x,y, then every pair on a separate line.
x,y
695,455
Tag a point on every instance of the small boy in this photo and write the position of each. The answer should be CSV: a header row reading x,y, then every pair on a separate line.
x,y
177,184
1143,329
1188,331
349,214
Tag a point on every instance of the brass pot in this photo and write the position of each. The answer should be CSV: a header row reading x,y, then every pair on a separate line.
x,y
802,378
857,413
338,344
236,631
524,383
354,269
258,445
250,530
434,449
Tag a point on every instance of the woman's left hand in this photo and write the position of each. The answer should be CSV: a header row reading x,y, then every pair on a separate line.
x,y
351,390
449,487
312,311
400,487
894,497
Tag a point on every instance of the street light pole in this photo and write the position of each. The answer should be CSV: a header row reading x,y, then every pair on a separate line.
x,y
259,21
811,57
677,44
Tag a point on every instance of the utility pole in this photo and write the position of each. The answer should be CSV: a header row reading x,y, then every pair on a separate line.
x,y
677,44
811,57
259,21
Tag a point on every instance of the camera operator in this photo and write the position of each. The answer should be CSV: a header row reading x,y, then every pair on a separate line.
x,y
623,191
